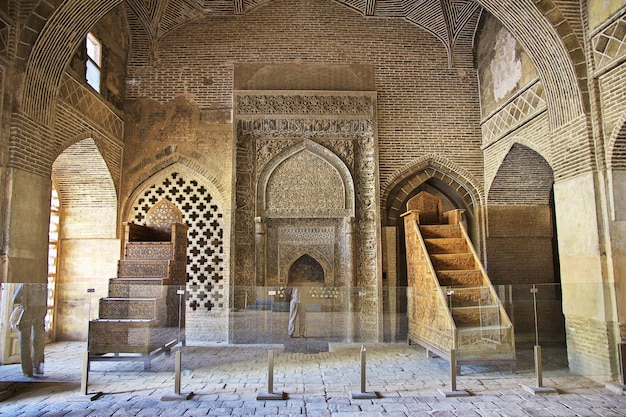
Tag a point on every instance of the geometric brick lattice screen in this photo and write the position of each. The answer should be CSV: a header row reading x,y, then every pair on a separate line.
x,y
205,250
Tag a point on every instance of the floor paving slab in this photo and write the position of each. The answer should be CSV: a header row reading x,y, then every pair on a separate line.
x,y
227,378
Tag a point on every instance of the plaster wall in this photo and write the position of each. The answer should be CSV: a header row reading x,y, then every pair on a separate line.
x,y
600,10
85,264
503,66
618,246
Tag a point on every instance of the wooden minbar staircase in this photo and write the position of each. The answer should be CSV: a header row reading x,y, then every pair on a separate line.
x,y
144,313
452,303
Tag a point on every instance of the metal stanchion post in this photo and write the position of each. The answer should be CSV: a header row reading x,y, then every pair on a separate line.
x,y
363,394
539,388
177,371
177,396
270,394
84,395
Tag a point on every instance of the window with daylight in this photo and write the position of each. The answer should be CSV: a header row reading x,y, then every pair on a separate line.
x,y
53,252
94,61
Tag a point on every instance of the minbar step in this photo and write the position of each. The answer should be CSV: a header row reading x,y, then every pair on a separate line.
x,y
446,245
137,288
149,251
440,231
462,277
143,268
133,308
128,336
469,296
454,261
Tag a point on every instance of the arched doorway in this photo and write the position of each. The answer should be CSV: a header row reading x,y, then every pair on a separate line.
x,y
434,177
522,247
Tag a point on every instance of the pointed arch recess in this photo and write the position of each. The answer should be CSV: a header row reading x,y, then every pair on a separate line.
x,y
326,264
616,146
159,171
397,188
524,177
348,209
84,183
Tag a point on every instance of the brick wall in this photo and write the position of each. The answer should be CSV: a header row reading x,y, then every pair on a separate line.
x,y
197,62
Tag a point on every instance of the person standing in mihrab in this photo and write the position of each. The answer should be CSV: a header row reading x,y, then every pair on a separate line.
x,y
297,313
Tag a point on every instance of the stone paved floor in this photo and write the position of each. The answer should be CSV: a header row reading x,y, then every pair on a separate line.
x,y
226,380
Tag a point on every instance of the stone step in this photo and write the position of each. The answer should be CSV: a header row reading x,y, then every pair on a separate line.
x,y
440,231
137,288
128,336
470,296
463,277
446,245
143,269
476,316
456,261
133,308
149,251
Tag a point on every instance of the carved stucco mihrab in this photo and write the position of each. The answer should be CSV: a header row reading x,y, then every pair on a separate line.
x,y
317,192
308,160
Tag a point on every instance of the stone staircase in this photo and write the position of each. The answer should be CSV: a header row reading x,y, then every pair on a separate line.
x,y
452,302
143,314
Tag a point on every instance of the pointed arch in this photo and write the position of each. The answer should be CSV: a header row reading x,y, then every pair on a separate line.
x,y
334,168
490,176
53,49
514,184
616,146
176,162
203,211
85,186
308,265
397,189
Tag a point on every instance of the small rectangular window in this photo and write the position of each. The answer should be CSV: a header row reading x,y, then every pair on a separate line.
x,y
94,61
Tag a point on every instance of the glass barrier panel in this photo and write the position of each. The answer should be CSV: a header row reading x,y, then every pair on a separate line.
x,y
133,327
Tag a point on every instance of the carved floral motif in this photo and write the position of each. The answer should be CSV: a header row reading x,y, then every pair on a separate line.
x,y
300,104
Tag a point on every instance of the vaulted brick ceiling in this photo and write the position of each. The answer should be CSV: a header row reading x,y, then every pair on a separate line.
x,y
445,19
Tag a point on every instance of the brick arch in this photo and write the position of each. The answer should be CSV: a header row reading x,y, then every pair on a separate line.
x,y
54,47
396,190
616,146
35,22
110,160
197,169
84,182
532,26
571,43
523,178
502,154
